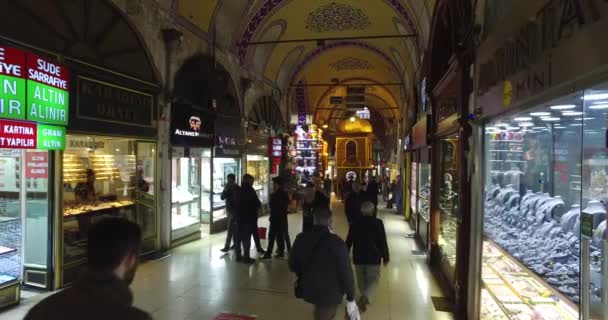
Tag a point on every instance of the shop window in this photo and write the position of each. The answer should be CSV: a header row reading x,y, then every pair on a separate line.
x,y
448,202
257,166
106,177
190,190
533,199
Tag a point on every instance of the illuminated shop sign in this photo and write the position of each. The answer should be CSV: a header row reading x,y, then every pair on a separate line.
x,y
30,135
276,153
47,91
191,126
35,89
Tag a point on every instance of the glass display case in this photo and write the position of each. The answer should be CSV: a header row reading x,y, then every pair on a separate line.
x,y
190,190
447,202
222,167
414,188
258,166
424,191
545,171
106,176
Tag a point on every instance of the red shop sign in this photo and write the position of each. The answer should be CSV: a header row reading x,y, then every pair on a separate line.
x,y
36,165
18,134
11,62
232,316
47,72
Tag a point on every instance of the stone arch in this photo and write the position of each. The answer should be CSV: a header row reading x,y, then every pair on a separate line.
x,y
65,28
226,20
409,45
260,55
287,66
266,111
200,80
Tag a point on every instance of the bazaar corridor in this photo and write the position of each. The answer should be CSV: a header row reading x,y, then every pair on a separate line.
x,y
198,281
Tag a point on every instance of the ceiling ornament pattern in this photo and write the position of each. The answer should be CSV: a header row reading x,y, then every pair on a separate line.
x,y
337,17
351,63
343,43
269,6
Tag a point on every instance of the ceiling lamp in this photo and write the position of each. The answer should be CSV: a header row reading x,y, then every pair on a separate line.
x,y
352,119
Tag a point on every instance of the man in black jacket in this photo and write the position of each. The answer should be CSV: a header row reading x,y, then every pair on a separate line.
x,y
352,205
320,260
368,239
373,189
102,291
229,194
279,201
247,217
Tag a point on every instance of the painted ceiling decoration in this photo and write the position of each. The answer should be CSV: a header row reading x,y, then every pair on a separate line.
x,y
269,7
337,17
351,63
340,44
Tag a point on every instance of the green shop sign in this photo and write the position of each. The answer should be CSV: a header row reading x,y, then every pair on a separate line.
x,y
51,137
35,89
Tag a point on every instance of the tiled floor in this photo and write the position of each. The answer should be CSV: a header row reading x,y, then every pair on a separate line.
x,y
197,282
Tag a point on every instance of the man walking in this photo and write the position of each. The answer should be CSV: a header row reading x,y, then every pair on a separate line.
x,y
279,200
247,217
102,291
320,260
352,205
368,239
372,192
327,186
231,190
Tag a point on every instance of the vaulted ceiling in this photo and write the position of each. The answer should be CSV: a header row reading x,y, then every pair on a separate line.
x,y
351,55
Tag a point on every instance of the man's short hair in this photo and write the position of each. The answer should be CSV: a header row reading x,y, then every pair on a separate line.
x,y
110,241
367,208
322,215
248,177
231,176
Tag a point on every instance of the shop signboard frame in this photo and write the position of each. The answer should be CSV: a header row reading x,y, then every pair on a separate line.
x,y
101,101
34,101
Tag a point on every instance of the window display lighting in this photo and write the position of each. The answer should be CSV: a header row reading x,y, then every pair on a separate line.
x,y
572,113
550,119
563,107
539,114
598,106
595,96
526,124
523,119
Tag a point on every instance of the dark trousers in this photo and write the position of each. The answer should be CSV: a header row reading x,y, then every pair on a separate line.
x,y
278,232
231,234
287,238
256,237
243,244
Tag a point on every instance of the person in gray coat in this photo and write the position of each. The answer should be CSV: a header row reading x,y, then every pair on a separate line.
x,y
320,260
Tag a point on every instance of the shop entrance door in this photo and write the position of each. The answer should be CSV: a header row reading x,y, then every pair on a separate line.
x,y
25,217
146,194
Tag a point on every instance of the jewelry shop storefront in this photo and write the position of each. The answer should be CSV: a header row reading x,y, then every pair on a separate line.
x,y
34,103
541,247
